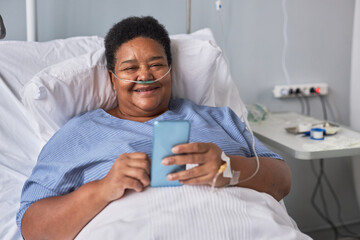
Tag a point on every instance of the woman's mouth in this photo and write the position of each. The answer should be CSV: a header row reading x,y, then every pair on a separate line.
x,y
146,89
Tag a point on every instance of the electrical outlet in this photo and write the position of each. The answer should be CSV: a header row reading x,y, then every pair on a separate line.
x,y
300,90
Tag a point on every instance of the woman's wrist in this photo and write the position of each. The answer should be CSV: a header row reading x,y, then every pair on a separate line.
x,y
222,181
228,173
99,192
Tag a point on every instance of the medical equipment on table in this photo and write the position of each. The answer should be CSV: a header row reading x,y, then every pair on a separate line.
x,y
305,128
272,132
317,133
257,112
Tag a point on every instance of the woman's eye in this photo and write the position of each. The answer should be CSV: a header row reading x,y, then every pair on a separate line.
x,y
130,69
157,65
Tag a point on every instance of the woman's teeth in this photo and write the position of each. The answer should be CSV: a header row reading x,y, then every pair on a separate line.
x,y
144,89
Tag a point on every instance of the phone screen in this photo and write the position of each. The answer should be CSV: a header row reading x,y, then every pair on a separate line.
x,y
166,135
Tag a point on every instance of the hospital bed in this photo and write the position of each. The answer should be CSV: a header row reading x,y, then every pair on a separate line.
x,y
42,85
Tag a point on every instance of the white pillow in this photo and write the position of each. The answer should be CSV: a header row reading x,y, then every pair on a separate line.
x,y
77,85
20,61
206,76
61,91
194,65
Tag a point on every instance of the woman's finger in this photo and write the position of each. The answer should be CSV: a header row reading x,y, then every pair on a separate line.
x,y
184,159
131,183
196,147
195,172
206,179
140,155
136,160
129,171
139,174
140,164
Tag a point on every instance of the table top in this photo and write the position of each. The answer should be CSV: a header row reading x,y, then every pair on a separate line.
x,y
272,132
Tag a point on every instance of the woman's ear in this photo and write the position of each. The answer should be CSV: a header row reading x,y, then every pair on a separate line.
x,y
112,79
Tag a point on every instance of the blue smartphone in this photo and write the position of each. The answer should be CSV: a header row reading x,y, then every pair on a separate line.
x,y
166,135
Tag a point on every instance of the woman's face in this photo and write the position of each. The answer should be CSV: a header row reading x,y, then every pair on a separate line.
x,y
141,59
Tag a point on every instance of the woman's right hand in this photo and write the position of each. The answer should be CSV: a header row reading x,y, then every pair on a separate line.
x,y
64,216
129,171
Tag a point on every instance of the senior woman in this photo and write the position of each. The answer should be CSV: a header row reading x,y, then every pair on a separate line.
x,y
98,156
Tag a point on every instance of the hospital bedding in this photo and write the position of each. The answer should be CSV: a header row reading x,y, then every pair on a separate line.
x,y
193,212
188,212
18,151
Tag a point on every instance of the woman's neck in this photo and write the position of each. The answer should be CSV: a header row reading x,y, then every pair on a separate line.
x,y
144,118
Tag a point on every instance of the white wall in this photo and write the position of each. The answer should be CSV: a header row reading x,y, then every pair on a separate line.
x,y
319,50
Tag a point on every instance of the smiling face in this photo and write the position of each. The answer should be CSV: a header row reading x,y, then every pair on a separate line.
x,y
141,59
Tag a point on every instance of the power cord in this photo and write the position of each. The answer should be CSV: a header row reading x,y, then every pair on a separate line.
x,y
329,101
342,224
325,213
332,107
318,187
323,107
307,106
302,98
302,104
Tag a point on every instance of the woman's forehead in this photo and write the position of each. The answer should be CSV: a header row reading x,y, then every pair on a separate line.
x,y
140,48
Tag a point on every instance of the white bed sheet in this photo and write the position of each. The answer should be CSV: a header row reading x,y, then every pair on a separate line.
x,y
193,212
18,153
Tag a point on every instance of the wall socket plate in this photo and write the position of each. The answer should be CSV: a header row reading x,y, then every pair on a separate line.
x,y
300,90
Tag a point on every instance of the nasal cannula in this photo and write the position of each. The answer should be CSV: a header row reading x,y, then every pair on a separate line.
x,y
142,82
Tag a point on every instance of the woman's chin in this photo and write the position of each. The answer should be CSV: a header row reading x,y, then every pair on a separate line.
x,y
152,107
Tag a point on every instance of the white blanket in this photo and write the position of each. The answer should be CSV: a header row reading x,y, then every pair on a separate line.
x,y
19,147
193,212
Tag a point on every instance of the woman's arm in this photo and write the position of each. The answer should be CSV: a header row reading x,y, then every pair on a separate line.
x,y
63,217
273,177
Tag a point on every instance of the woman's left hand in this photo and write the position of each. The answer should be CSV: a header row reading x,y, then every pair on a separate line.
x,y
206,155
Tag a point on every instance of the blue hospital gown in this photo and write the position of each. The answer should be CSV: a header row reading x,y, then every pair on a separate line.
x,y
85,148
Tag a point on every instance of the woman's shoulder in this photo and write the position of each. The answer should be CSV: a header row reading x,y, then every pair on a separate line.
x,y
78,122
191,109
188,104
74,128
86,116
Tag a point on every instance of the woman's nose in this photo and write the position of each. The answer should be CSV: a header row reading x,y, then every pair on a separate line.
x,y
144,74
